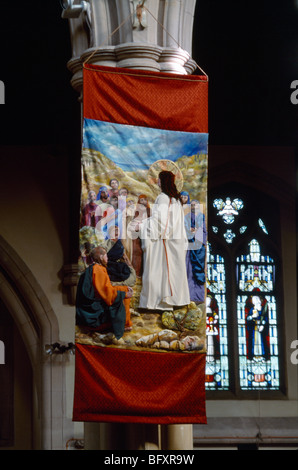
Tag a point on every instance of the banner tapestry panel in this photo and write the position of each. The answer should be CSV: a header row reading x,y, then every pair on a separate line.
x,y
140,310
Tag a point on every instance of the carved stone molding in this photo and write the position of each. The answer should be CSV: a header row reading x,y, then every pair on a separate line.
x,y
70,281
160,39
133,56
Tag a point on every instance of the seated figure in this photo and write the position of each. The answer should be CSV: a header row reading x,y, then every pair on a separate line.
x,y
99,304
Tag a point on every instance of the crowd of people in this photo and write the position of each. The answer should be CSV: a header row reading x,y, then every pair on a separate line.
x,y
164,245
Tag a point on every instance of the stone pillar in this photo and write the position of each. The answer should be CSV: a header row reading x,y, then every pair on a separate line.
x,y
177,437
137,34
111,33
119,436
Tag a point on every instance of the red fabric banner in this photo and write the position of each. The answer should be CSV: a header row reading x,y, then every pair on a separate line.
x,y
131,387
166,102
137,124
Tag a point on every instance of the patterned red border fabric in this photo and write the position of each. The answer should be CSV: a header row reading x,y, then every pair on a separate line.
x,y
167,101
126,386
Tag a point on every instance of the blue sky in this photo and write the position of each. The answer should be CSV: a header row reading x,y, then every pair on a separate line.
x,y
132,147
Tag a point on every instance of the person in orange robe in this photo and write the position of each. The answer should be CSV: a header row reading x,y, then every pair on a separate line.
x,y
102,284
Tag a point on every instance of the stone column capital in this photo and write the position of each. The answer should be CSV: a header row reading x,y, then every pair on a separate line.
x,y
109,33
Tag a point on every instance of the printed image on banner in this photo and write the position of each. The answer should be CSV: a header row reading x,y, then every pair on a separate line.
x,y
121,165
124,211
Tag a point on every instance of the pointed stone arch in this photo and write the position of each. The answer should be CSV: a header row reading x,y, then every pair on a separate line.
x,y
38,325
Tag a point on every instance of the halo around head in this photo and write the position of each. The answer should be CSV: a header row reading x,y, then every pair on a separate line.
x,y
165,165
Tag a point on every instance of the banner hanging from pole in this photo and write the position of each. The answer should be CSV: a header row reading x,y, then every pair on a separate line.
x,y
140,312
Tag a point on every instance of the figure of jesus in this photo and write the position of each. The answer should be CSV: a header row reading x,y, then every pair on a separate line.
x,y
164,244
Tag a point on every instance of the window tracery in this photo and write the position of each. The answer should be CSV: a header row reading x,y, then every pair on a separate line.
x,y
241,300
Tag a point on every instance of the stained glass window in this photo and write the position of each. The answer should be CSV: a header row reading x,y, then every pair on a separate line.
x,y
242,312
217,368
263,226
228,209
229,235
257,320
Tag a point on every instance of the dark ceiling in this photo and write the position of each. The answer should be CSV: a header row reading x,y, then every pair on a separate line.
x,y
248,48
250,51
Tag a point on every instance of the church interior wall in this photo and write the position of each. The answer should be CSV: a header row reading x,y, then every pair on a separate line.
x,y
35,229
35,220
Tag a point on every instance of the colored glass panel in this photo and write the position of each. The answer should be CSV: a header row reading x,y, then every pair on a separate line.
x,y
257,321
217,366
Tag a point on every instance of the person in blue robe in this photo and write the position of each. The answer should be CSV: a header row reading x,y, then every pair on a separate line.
x,y
196,232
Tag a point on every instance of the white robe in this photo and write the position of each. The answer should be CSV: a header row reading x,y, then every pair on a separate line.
x,y
164,244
